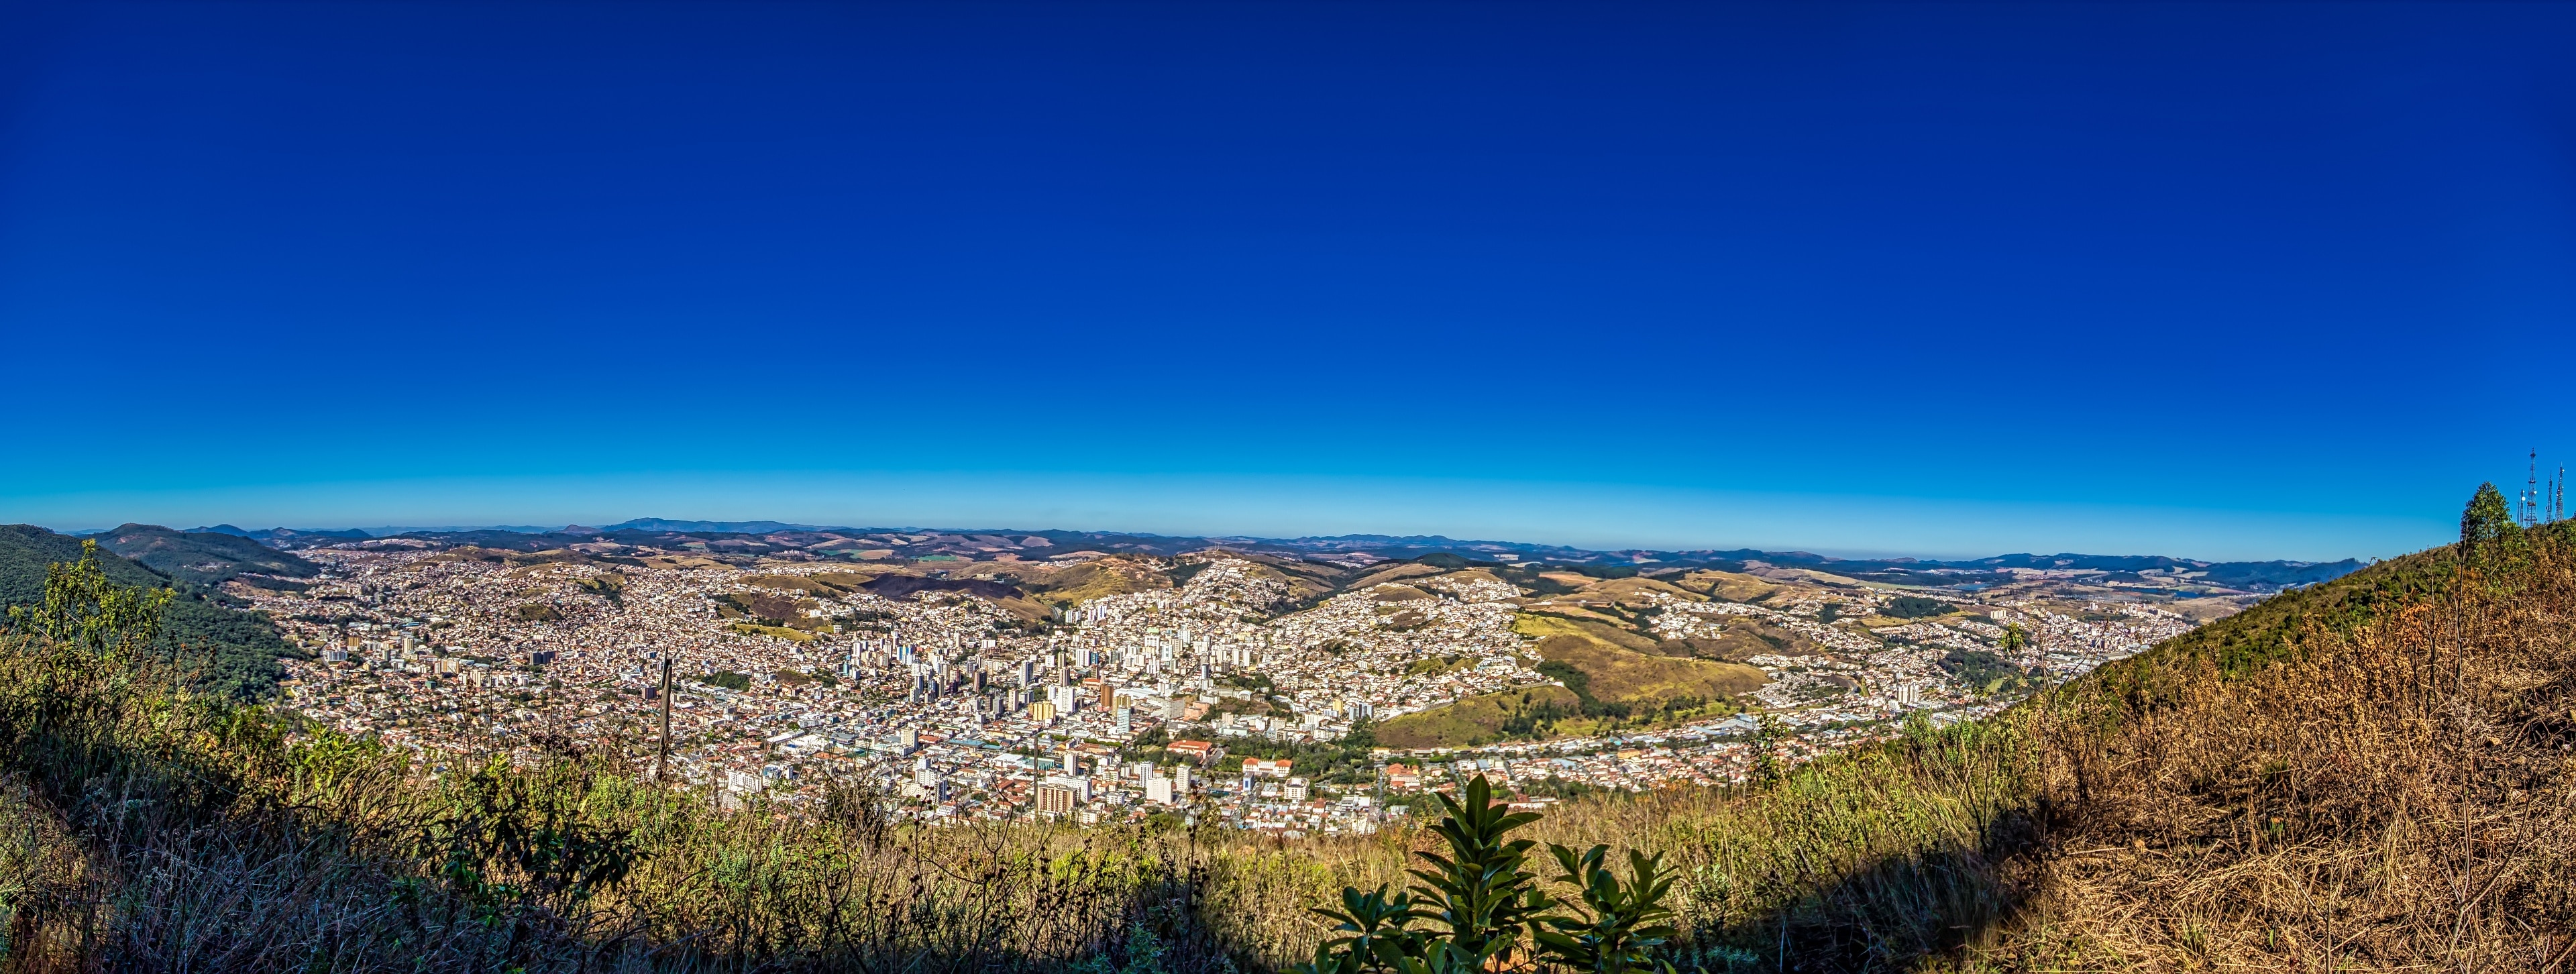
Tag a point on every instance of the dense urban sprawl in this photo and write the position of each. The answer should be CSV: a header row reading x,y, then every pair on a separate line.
x,y
958,701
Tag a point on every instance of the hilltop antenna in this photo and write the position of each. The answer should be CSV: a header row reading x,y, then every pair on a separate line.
x,y
2550,494
2531,492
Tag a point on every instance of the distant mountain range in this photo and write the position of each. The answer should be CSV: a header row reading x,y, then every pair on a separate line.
x,y
274,533
730,527
752,539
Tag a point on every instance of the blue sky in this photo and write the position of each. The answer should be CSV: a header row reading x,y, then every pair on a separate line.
x,y
2213,280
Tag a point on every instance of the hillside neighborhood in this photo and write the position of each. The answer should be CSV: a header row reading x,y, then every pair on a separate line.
x,y
1299,696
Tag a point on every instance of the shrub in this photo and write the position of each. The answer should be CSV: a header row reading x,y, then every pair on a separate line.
x,y
1481,911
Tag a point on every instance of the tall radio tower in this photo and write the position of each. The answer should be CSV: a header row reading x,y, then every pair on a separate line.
x,y
2531,492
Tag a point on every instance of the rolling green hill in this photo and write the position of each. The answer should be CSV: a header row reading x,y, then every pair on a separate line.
x,y
1473,721
235,652
201,558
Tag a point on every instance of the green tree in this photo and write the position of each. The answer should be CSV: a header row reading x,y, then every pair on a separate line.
x,y
2486,526
83,609
1768,733
2015,638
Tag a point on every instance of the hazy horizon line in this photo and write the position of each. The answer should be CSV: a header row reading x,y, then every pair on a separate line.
x,y
393,530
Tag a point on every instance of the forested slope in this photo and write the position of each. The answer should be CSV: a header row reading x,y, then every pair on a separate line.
x,y
234,652
202,558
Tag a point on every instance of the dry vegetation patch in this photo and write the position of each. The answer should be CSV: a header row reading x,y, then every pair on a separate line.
x,y
1395,573
1398,593
1625,675
1474,720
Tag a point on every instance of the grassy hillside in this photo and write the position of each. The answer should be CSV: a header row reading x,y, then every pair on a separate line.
x,y
1731,586
1475,720
1612,678
202,558
1624,667
1076,583
231,652
2369,774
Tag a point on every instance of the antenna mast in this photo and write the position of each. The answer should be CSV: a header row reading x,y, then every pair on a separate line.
x,y
2531,492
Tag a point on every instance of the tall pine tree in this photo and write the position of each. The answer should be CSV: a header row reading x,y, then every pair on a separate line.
x,y
2486,527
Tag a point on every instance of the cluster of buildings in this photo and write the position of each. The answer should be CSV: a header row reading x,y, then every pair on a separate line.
x,y
1117,708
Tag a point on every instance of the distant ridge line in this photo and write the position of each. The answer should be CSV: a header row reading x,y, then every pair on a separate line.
x,y
772,537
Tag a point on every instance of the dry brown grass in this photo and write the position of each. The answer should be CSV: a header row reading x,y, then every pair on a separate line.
x,y
2391,794
1619,673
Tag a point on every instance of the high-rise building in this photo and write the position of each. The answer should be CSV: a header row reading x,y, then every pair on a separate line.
x,y
1073,792
1054,799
